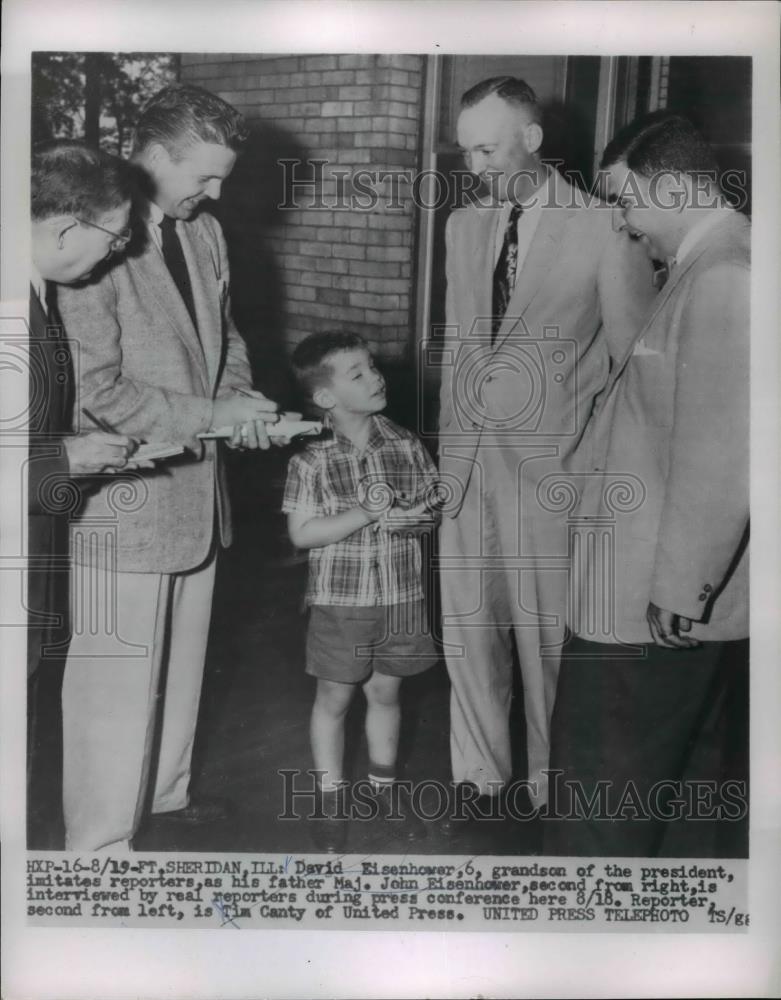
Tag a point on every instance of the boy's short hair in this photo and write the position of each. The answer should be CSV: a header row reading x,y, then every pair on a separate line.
x,y
310,358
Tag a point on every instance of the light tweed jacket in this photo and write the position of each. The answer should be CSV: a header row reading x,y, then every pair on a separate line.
x,y
668,455
142,366
580,297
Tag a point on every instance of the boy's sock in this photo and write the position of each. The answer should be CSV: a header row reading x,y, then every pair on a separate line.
x,y
329,787
395,803
381,776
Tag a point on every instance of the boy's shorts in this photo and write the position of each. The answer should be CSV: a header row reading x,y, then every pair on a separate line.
x,y
348,644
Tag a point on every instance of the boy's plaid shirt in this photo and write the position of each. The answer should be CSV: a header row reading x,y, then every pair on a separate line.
x,y
330,476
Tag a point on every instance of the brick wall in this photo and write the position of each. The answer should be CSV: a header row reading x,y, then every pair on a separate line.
x,y
336,260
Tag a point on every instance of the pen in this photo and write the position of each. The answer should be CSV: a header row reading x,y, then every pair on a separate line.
x,y
104,425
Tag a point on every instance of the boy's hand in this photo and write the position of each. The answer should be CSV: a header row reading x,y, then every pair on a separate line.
x,y
418,518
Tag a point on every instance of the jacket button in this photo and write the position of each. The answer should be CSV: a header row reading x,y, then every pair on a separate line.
x,y
703,597
707,588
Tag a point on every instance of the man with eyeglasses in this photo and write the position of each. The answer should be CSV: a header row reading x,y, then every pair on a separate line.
x,y
79,197
161,359
117,242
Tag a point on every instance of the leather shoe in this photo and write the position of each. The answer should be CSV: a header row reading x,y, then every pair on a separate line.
x,y
396,809
328,826
198,812
467,807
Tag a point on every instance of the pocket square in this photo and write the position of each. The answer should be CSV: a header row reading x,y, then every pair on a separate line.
x,y
641,348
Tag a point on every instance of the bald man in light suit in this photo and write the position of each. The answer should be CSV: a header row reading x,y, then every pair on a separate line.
x,y
541,292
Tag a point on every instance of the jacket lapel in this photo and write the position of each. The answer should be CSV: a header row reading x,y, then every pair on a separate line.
x,y
202,267
151,270
483,268
540,257
676,276
50,348
38,318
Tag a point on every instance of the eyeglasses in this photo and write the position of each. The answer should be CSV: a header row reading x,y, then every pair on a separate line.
x,y
119,240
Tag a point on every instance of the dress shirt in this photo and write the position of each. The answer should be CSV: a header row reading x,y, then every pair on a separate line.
x,y
154,217
528,221
39,286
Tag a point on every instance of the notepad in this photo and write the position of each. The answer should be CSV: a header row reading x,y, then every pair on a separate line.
x,y
282,428
155,450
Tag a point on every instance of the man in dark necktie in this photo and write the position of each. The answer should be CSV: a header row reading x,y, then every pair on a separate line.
x,y
161,359
80,203
541,292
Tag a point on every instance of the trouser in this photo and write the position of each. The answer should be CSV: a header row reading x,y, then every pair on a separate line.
x,y
503,581
638,742
44,756
131,716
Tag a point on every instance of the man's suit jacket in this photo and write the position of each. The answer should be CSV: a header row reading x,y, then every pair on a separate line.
x,y
51,402
144,368
674,426
579,298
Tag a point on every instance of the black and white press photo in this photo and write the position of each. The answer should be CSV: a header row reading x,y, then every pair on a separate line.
x,y
381,449
508,498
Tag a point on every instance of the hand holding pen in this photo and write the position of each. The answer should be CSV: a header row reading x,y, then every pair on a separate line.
x,y
103,451
98,451
257,429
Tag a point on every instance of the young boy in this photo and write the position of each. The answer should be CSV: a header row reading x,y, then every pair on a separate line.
x,y
367,623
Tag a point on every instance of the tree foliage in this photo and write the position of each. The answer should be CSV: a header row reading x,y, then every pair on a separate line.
x,y
95,96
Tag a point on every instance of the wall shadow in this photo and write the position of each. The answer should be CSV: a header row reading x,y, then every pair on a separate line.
x,y
253,222
568,142
250,214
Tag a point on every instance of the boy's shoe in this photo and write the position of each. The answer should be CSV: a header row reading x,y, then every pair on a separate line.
x,y
328,827
396,809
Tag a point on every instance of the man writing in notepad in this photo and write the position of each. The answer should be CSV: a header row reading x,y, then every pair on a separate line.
x,y
80,203
160,360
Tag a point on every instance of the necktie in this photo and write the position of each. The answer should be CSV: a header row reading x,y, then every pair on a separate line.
x,y
504,273
177,265
52,311
663,271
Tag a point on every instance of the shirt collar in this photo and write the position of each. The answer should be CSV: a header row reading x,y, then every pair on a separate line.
x,y
155,214
377,435
38,283
698,232
538,198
